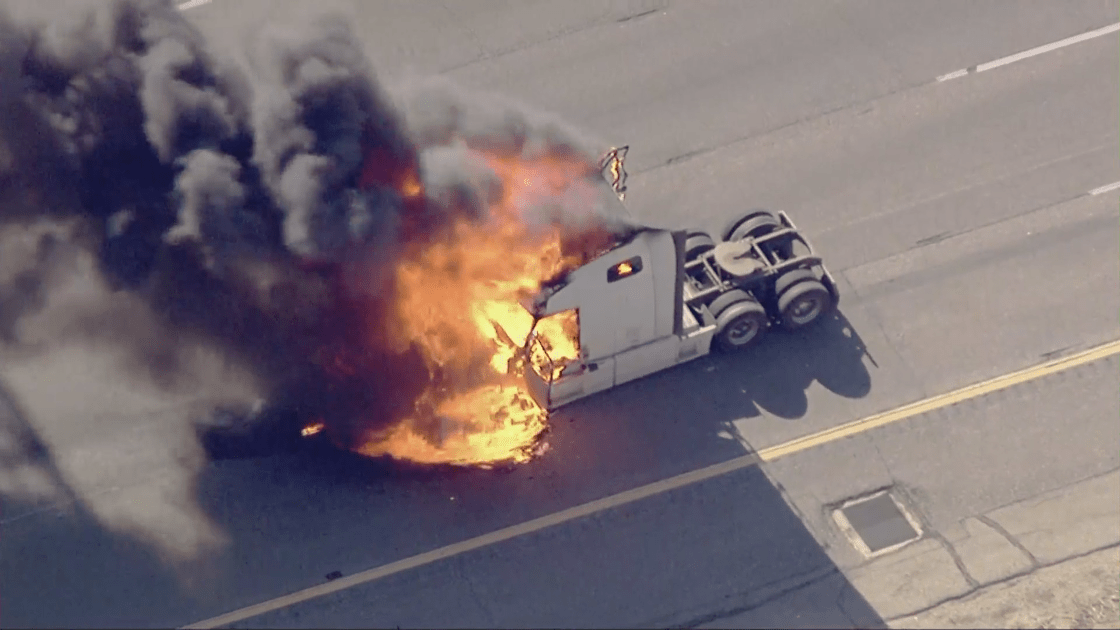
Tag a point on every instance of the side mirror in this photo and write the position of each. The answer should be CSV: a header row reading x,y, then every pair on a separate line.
x,y
612,166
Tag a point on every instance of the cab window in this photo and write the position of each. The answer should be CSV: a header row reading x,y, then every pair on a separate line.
x,y
624,269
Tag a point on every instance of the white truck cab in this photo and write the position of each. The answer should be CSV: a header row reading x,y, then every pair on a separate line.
x,y
663,297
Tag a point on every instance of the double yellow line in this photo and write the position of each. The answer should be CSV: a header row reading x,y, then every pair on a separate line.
x,y
672,483
938,402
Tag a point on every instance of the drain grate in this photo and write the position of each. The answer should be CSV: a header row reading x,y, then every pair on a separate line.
x,y
877,524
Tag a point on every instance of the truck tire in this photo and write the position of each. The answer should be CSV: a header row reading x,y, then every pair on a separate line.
x,y
723,300
802,300
740,320
760,222
696,244
792,277
741,325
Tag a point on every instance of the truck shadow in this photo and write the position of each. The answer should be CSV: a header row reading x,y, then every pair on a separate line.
x,y
779,371
686,416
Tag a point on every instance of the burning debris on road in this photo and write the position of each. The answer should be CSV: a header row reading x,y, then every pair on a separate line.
x,y
365,259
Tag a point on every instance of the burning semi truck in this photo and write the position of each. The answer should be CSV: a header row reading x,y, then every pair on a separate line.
x,y
567,322
664,297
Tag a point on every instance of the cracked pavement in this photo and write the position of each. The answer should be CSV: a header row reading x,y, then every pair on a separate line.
x,y
984,583
1082,593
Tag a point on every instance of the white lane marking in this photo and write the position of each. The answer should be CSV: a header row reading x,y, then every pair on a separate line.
x,y
1026,54
1103,189
953,75
192,4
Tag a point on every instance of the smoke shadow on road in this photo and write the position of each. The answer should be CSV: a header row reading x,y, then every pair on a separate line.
x,y
726,546
320,511
61,563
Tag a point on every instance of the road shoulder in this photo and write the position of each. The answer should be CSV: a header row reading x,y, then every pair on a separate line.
x,y
1081,593
1049,561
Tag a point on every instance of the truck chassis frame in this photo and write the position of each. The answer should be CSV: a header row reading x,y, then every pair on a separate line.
x,y
706,279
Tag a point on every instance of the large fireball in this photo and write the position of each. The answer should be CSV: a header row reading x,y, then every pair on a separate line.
x,y
457,301
284,214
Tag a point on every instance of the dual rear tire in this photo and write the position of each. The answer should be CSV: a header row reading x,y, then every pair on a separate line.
x,y
742,321
696,244
802,299
751,224
757,224
798,299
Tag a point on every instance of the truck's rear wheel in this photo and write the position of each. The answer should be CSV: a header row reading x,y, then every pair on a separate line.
x,y
753,223
741,321
756,224
802,299
697,244
792,277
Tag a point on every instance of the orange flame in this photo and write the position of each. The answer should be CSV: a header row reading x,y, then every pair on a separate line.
x,y
559,337
410,187
458,301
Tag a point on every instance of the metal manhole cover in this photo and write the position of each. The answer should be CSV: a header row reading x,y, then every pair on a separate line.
x,y
877,524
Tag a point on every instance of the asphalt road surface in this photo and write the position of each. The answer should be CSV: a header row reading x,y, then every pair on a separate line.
x,y
957,214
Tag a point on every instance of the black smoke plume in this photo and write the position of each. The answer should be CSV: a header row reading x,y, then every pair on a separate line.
x,y
244,208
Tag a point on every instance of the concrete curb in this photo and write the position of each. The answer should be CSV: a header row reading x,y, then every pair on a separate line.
x,y
991,548
974,575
